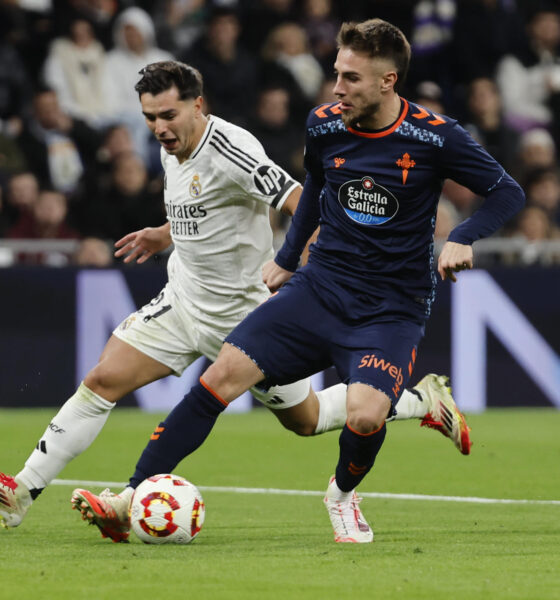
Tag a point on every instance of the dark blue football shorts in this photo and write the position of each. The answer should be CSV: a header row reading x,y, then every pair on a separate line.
x,y
296,333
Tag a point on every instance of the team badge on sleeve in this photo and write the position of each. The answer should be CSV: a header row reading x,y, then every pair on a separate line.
x,y
367,203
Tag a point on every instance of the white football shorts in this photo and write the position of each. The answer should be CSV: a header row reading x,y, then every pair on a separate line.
x,y
164,330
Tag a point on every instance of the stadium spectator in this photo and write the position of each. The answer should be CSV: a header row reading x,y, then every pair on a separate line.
x,y
261,18
536,150
287,45
429,95
179,23
320,25
47,222
228,69
74,68
100,13
15,84
483,32
22,191
529,80
542,188
273,126
130,202
134,47
486,123
97,176
534,226
56,147
431,37
93,252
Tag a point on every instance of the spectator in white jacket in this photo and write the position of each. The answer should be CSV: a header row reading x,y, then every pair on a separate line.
x,y
134,38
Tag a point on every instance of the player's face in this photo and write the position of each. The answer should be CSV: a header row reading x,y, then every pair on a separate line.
x,y
177,124
361,84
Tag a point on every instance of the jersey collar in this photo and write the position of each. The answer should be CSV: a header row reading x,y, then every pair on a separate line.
x,y
387,130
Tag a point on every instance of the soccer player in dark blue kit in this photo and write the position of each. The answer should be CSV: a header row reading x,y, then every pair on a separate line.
x,y
375,166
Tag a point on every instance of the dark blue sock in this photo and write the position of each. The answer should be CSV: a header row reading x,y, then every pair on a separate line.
x,y
182,432
357,455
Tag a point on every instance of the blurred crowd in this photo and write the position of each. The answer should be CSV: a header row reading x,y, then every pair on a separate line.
x,y
78,163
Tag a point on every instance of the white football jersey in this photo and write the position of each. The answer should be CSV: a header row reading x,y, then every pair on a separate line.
x,y
217,203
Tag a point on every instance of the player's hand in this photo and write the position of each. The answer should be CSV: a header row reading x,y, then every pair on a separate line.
x,y
143,244
274,276
454,257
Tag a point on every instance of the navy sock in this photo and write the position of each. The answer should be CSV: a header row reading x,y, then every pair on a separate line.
x,y
357,455
182,432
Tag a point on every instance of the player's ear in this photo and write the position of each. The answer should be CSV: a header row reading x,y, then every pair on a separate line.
x,y
389,81
198,104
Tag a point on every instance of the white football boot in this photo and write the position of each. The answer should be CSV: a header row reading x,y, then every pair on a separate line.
x,y
442,413
15,500
108,511
346,517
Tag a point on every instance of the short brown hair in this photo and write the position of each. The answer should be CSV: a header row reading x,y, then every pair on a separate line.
x,y
161,76
378,39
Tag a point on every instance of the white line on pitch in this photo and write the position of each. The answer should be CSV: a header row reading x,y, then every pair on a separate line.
x,y
244,490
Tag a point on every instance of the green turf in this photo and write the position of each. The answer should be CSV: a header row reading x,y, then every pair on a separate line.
x,y
269,546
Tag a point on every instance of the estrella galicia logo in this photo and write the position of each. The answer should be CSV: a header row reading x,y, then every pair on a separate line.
x,y
269,180
367,203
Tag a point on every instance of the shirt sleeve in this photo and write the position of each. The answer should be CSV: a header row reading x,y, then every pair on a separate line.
x,y
467,163
241,156
304,222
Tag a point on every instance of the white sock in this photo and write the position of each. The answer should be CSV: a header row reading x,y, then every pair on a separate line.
x,y
127,494
332,408
410,406
335,493
71,431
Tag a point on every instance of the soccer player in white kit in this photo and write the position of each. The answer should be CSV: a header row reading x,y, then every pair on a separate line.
x,y
219,185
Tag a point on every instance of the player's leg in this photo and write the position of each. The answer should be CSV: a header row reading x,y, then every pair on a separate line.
x,y
360,441
312,413
121,369
146,346
377,369
189,423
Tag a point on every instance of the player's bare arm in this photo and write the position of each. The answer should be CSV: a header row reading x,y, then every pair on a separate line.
x,y
454,257
143,244
291,203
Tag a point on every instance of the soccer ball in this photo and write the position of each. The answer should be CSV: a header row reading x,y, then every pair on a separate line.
x,y
166,509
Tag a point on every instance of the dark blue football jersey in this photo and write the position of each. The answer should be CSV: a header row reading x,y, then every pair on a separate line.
x,y
379,197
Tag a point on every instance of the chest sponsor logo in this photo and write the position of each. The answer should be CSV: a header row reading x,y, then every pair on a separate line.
x,y
269,180
196,187
367,203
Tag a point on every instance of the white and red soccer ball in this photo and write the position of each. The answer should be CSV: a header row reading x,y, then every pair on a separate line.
x,y
166,509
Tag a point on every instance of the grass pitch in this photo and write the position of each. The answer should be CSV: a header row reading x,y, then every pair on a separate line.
x,y
268,546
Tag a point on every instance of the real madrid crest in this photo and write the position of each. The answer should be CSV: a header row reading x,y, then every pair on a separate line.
x,y
196,187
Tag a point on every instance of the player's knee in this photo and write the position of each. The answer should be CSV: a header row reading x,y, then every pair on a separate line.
x,y
364,421
102,382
